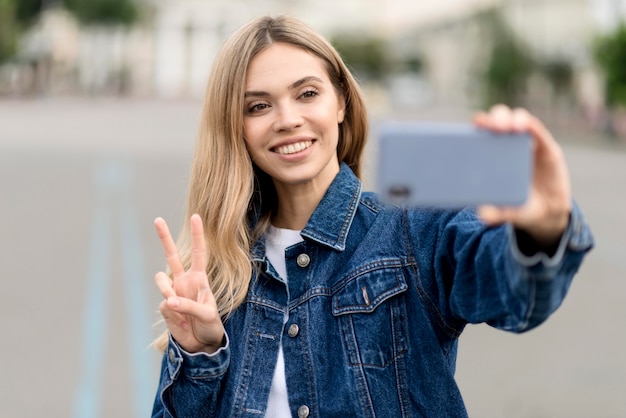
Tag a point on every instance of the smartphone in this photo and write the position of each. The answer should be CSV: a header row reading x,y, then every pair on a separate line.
x,y
452,165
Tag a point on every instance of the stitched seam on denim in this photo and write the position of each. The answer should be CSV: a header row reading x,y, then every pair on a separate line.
x,y
531,305
244,376
194,374
305,347
338,242
432,307
367,268
347,221
255,299
400,287
308,295
348,341
206,378
253,411
165,393
327,291
361,380
175,370
398,356
396,353
381,366
532,301
421,292
268,303
371,204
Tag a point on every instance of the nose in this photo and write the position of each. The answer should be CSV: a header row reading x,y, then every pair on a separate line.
x,y
288,117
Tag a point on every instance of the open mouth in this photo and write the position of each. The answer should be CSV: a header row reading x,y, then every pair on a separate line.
x,y
293,148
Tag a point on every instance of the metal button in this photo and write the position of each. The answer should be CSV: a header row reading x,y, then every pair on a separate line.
x,y
171,355
293,330
303,411
303,260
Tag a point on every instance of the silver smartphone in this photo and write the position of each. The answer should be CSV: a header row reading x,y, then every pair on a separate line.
x,y
452,165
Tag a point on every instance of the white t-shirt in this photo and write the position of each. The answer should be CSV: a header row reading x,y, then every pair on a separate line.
x,y
276,241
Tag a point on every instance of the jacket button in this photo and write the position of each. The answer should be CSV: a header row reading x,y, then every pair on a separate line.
x,y
303,260
303,411
171,355
293,330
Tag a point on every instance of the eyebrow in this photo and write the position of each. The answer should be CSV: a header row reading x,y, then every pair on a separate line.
x,y
292,86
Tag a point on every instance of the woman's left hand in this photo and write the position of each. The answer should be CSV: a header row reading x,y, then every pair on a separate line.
x,y
545,214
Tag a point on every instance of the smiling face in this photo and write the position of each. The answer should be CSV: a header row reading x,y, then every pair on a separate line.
x,y
291,117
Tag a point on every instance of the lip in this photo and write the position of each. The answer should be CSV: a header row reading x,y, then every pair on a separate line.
x,y
292,141
296,156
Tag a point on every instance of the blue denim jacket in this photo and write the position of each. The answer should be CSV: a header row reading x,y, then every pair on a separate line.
x,y
370,317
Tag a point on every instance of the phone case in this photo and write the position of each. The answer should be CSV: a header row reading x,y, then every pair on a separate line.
x,y
452,165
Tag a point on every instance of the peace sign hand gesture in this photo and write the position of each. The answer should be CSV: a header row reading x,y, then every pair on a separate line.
x,y
189,309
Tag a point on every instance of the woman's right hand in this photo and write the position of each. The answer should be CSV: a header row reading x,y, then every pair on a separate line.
x,y
189,308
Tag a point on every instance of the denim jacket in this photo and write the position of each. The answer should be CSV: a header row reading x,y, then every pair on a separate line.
x,y
370,317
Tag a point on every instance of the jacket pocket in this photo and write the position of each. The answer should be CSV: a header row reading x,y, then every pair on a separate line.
x,y
370,309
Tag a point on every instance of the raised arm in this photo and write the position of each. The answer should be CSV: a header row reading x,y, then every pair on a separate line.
x,y
197,355
189,308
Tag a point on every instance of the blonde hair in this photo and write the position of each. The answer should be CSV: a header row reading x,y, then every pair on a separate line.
x,y
235,199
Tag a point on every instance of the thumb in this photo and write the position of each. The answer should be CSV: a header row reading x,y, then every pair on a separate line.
x,y
494,215
202,312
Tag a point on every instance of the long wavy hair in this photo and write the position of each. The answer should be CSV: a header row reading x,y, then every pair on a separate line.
x,y
235,199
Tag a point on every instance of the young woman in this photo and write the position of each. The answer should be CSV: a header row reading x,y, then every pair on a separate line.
x,y
293,293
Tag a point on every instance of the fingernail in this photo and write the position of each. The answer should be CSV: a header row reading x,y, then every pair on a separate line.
x,y
173,302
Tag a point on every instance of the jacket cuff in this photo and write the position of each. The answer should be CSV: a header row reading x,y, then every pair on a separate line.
x,y
576,237
197,365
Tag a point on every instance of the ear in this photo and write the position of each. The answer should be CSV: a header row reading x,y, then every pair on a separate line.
x,y
341,109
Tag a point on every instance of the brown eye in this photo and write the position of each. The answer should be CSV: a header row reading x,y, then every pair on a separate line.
x,y
309,94
257,107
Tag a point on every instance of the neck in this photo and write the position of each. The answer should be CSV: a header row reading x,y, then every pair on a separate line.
x,y
296,203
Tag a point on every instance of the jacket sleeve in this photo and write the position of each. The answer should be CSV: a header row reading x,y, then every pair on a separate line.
x,y
189,383
480,274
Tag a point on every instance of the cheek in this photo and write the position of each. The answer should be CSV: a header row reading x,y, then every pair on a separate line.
x,y
250,134
252,141
256,129
246,131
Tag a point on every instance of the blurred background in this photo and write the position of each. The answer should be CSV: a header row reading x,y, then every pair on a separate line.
x,y
99,105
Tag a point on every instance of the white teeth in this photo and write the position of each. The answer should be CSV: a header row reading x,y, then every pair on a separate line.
x,y
293,148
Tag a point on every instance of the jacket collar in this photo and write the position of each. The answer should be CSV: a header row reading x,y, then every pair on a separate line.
x,y
330,222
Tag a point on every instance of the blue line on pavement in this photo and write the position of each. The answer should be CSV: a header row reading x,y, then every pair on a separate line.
x,y
88,397
137,306
114,190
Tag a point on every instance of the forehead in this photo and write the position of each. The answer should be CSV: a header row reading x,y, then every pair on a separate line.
x,y
283,63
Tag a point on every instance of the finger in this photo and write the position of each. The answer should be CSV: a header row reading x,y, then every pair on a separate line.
x,y
488,214
205,296
205,313
500,117
164,284
481,119
497,119
169,247
520,120
494,215
198,245
499,108
172,317
542,135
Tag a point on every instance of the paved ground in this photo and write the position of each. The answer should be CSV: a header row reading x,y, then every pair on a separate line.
x,y
81,181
